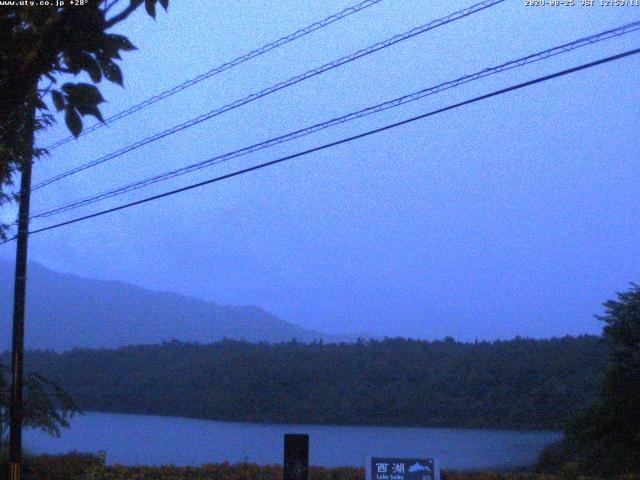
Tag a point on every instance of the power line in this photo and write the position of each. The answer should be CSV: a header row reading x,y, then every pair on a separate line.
x,y
221,68
545,54
344,140
279,86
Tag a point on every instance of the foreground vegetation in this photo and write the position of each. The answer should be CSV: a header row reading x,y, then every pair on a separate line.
x,y
604,438
78,466
516,384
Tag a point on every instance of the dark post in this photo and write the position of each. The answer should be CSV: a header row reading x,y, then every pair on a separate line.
x,y
296,457
15,402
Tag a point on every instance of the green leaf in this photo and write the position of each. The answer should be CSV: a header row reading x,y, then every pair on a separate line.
x,y
85,93
90,110
89,64
58,100
150,6
73,121
41,105
84,98
165,4
68,87
120,42
71,64
112,72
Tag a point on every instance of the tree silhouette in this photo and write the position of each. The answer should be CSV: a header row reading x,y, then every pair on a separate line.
x,y
38,45
604,438
46,405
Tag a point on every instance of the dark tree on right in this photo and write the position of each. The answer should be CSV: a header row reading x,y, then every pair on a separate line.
x,y
604,439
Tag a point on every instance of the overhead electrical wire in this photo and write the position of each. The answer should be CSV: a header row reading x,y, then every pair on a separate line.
x,y
277,87
545,54
221,68
368,133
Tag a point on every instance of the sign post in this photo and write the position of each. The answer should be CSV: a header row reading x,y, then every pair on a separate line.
x,y
391,468
296,457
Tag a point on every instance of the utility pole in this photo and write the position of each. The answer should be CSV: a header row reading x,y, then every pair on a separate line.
x,y
19,292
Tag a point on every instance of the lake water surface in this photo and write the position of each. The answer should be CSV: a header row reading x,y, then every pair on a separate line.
x,y
157,440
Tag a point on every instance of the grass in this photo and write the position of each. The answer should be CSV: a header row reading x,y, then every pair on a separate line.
x,y
84,466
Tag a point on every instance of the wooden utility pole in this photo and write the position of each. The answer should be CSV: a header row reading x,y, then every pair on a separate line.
x,y
19,293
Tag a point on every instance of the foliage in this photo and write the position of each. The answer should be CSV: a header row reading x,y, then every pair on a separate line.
x,y
38,45
72,465
604,438
520,383
46,406
79,466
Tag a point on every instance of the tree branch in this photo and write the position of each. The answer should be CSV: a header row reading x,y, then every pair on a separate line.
x,y
123,14
109,5
45,91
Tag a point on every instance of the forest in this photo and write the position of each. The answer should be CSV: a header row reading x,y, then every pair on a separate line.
x,y
515,384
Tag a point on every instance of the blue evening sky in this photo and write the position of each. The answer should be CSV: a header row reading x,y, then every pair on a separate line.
x,y
514,216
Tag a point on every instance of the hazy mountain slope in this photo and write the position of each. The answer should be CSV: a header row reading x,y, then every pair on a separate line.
x,y
66,311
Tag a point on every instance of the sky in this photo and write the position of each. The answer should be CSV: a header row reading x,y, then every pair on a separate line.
x,y
513,216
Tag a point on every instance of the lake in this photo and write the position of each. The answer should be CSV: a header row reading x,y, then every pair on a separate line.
x,y
156,440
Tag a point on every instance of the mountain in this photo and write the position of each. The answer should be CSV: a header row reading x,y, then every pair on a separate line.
x,y
66,311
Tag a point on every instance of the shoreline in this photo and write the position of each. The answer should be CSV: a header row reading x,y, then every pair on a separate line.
x,y
303,424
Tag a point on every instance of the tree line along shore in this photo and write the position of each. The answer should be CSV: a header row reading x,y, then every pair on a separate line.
x,y
515,384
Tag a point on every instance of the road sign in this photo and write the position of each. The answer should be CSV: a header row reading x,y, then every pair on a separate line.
x,y
394,468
